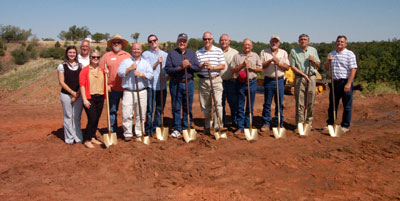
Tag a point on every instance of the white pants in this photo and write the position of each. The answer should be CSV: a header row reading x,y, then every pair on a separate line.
x,y
130,104
206,100
72,118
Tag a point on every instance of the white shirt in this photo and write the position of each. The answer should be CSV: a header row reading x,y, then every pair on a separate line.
x,y
342,63
84,61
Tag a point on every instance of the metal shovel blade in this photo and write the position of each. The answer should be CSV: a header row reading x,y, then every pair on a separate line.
x,y
279,132
107,140
220,134
113,139
304,129
189,134
162,133
251,134
334,130
146,140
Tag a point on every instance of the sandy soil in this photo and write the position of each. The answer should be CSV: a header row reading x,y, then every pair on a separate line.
x,y
36,164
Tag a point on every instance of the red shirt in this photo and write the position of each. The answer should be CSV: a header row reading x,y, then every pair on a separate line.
x,y
113,60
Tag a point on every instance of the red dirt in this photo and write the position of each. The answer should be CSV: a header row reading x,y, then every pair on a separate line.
x,y
364,164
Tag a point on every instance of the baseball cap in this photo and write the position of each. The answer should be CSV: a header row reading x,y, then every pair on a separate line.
x,y
275,36
182,36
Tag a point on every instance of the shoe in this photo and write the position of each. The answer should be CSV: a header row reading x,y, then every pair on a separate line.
x,y
127,139
207,131
88,144
325,128
95,141
176,134
264,128
139,139
238,132
345,130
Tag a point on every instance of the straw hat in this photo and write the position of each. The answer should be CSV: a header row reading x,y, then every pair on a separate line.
x,y
117,37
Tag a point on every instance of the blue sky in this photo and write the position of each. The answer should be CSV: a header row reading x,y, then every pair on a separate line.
x,y
322,20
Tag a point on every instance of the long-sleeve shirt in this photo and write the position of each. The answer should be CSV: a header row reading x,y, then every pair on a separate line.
x,y
152,57
128,81
174,60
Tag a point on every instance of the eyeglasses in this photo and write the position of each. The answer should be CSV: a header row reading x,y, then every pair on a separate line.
x,y
95,57
116,42
210,39
152,41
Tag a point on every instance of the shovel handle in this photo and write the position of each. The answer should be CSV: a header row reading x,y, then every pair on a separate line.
x,y
140,108
187,97
214,99
333,94
107,100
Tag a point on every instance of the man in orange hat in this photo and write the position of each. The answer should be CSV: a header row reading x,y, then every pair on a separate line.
x,y
113,59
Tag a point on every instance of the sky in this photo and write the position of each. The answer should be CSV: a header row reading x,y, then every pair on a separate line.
x,y
359,20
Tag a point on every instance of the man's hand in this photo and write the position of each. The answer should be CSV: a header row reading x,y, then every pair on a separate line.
x,y
347,87
138,73
311,58
185,63
133,66
160,60
275,60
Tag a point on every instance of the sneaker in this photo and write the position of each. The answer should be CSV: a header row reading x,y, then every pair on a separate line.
x,y
176,134
95,141
345,130
88,144
264,128
127,139
139,139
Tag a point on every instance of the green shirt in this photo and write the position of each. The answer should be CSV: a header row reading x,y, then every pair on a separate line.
x,y
299,58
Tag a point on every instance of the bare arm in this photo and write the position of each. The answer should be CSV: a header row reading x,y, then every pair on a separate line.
x,y
350,80
86,103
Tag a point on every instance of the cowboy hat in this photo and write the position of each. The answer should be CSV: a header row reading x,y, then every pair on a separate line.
x,y
117,37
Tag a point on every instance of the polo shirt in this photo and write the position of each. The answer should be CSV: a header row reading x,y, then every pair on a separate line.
x,y
227,74
266,55
299,58
342,63
113,61
254,59
215,56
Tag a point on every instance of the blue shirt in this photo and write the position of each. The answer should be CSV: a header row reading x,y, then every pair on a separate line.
x,y
175,59
152,57
128,81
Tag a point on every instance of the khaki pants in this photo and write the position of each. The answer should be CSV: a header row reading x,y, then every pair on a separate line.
x,y
205,100
130,104
299,93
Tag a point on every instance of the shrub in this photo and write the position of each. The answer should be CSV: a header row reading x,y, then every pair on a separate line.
x,y
55,53
57,45
33,54
98,48
20,56
47,39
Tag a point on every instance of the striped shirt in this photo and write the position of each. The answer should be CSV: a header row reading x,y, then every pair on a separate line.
x,y
216,57
342,63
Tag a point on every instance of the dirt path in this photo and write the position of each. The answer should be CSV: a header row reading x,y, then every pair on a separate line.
x,y
364,164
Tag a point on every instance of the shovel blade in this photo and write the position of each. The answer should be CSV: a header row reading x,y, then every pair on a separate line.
x,y
220,134
304,129
146,140
251,134
107,140
162,133
334,130
279,132
189,135
113,139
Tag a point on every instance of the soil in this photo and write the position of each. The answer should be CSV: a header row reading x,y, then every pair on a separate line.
x,y
36,164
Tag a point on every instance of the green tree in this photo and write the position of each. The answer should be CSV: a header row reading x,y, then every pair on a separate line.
x,y
97,37
11,33
74,33
135,36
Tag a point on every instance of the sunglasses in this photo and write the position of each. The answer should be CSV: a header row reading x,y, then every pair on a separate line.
x,y
116,43
95,57
210,39
152,41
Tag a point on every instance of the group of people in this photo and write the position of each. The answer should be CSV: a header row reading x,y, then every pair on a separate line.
x,y
140,78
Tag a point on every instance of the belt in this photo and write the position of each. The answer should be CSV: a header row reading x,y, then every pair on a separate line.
x,y
212,78
96,95
230,80
340,80
136,90
273,78
180,80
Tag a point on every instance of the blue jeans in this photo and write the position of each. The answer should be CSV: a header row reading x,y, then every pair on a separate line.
x,y
178,100
347,100
230,94
154,101
269,92
243,116
114,98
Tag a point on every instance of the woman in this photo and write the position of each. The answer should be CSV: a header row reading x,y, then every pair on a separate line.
x,y
68,78
92,84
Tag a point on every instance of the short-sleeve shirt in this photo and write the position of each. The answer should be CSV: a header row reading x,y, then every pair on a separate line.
x,y
227,74
254,59
214,55
113,60
84,61
342,63
299,58
266,55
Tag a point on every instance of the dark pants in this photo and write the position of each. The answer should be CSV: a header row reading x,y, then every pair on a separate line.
x,y
114,98
154,102
178,100
269,93
93,116
347,100
243,116
230,94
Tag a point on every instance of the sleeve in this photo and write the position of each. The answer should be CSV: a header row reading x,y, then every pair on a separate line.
x,y
258,61
60,68
103,61
148,71
82,77
122,68
352,61
169,66
221,58
262,56
316,55
195,63
285,59
234,61
292,60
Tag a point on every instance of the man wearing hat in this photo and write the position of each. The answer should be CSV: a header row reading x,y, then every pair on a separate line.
x,y
177,60
113,59
251,61
273,57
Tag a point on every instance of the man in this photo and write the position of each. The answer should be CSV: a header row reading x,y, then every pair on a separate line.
x,y
129,70
113,59
344,65
178,60
228,80
242,61
211,59
300,58
273,57
83,57
155,56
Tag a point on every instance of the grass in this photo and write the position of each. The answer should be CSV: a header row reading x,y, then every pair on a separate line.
x,y
379,88
27,73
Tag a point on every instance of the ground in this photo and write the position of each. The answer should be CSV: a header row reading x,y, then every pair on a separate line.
x,y
363,164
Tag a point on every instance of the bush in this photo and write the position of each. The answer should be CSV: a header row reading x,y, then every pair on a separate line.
x,y
33,54
55,53
1,67
98,48
20,56
47,39
57,45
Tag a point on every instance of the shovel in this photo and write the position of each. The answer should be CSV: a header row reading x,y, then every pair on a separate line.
x,y
250,133
305,128
189,134
146,138
162,132
221,132
279,132
109,138
334,130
